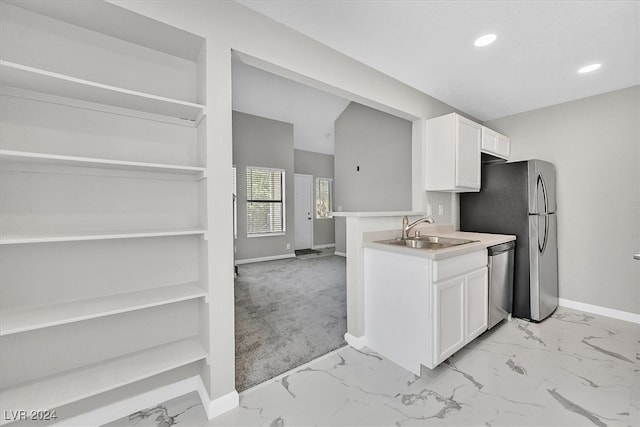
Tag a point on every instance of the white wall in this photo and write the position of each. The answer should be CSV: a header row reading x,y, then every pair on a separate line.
x,y
595,145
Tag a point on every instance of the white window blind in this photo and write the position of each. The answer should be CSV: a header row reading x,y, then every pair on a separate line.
x,y
234,191
324,197
265,201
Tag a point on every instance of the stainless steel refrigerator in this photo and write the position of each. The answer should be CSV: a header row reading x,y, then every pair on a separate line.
x,y
520,198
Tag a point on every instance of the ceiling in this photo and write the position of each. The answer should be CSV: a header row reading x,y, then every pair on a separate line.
x,y
312,112
429,46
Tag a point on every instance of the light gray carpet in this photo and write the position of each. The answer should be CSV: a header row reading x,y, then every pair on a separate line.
x,y
288,312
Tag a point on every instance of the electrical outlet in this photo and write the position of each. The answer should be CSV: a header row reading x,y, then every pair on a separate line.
x,y
440,209
288,246
429,210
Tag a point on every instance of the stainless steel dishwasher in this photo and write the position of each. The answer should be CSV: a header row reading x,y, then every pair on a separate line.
x,y
500,282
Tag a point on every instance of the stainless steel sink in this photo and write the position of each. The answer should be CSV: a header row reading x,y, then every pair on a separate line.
x,y
427,242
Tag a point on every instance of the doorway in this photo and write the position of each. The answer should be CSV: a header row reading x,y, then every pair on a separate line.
x,y
303,208
290,290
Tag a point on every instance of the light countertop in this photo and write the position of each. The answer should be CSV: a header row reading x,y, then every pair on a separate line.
x,y
484,240
375,214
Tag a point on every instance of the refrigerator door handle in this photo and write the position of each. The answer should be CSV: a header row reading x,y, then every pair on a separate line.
x,y
545,239
540,184
542,188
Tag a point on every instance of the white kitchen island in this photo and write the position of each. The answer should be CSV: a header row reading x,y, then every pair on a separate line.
x,y
422,305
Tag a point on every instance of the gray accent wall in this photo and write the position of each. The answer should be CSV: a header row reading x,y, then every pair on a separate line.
x,y
380,145
320,166
264,143
595,144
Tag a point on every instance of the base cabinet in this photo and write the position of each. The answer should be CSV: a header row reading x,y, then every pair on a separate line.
x,y
419,311
476,303
449,318
460,308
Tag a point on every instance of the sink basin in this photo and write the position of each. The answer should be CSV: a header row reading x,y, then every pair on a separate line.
x,y
427,242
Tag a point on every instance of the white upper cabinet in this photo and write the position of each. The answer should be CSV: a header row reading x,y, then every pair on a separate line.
x,y
495,143
452,154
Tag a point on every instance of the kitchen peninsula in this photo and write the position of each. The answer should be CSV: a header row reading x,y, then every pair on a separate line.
x,y
423,305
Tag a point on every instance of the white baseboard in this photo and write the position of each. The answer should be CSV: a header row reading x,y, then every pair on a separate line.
x,y
265,258
218,406
355,342
340,254
603,311
329,245
126,407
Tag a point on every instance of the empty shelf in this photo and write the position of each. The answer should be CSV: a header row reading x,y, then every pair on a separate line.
x,y
43,81
70,386
74,161
13,321
13,239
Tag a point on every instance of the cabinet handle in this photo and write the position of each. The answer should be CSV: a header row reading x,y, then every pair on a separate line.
x,y
636,256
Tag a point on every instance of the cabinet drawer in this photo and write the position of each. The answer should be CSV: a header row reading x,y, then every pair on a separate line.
x,y
458,265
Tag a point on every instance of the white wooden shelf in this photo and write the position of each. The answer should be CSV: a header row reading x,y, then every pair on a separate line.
x,y
13,239
16,320
43,81
70,386
10,156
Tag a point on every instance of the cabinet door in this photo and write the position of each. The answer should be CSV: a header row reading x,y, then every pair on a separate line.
x,y
476,303
495,143
503,146
449,324
468,154
489,140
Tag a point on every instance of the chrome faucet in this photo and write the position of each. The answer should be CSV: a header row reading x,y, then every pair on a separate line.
x,y
406,227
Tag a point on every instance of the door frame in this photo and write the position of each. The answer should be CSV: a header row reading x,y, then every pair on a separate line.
x,y
311,210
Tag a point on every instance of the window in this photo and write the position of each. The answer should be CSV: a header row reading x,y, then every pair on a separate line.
x,y
265,201
324,188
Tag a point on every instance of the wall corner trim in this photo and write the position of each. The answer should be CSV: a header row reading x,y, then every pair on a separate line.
x,y
342,254
603,311
220,405
356,342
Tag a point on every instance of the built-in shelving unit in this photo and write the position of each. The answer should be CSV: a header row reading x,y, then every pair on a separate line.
x,y
67,387
16,320
103,205
48,82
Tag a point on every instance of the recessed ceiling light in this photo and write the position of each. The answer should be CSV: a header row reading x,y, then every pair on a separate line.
x,y
589,68
485,40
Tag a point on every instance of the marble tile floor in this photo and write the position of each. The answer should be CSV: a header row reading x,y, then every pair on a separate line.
x,y
573,369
